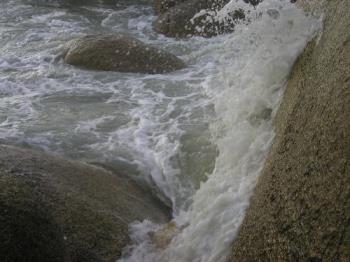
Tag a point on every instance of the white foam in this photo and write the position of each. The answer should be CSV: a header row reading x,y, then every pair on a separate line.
x,y
158,123
252,67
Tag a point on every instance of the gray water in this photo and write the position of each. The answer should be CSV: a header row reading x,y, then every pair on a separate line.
x,y
130,123
198,136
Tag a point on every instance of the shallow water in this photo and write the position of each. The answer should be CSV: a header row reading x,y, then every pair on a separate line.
x,y
198,136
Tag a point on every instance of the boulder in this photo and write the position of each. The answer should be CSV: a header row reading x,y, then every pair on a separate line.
x,y
121,53
28,230
183,20
300,210
52,209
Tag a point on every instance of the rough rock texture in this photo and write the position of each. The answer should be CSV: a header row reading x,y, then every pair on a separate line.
x,y
161,6
162,238
53,209
179,21
301,207
120,53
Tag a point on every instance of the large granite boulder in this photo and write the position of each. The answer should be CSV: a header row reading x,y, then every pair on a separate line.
x,y
300,210
52,209
121,53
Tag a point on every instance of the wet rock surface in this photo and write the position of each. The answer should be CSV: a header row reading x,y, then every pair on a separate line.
x,y
179,21
162,238
300,209
121,53
186,18
52,209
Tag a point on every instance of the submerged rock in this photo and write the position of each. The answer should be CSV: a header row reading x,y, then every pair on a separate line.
x,y
261,114
162,238
196,17
53,209
300,210
120,53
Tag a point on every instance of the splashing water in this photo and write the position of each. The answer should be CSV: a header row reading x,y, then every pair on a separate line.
x,y
252,66
198,136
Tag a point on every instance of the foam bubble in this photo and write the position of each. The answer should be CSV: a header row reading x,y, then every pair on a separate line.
x,y
198,136
252,67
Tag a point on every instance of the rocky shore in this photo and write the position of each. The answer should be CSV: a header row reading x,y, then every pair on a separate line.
x,y
121,53
53,209
300,209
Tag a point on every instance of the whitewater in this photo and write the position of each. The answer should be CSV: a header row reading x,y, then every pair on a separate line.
x,y
198,137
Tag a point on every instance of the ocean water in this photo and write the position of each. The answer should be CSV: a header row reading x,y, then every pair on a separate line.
x,y
198,136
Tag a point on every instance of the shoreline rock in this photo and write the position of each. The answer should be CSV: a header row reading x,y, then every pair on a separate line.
x,y
120,53
179,20
186,18
300,207
52,209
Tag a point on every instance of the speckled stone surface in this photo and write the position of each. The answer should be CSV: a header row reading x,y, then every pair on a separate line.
x,y
300,210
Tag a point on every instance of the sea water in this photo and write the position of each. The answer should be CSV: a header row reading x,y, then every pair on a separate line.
x,y
198,136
